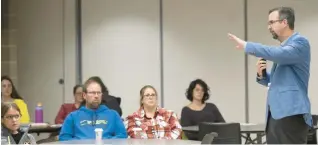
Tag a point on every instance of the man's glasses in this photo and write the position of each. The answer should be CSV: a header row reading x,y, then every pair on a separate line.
x,y
95,93
273,21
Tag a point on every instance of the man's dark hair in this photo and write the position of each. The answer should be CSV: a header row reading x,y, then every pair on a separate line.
x,y
286,13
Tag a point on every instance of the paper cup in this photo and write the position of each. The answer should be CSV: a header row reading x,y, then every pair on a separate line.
x,y
98,133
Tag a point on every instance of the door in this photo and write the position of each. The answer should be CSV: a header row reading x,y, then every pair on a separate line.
x,y
40,55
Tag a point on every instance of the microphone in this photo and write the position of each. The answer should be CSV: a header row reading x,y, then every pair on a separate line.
x,y
264,74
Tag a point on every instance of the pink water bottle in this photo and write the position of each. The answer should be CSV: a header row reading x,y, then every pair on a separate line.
x,y
39,113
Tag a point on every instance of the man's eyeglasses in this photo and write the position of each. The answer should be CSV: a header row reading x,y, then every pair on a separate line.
x,y
273,21
95,93
11,117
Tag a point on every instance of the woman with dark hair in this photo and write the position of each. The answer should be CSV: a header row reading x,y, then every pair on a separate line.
x,y
198,110
110,101
11,133
67,108
10,94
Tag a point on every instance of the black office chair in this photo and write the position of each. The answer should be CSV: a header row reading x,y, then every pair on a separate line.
x,y
312,135
208,138
228,133
118,100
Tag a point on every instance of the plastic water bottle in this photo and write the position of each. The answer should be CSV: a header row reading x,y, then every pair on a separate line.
x,y
39,113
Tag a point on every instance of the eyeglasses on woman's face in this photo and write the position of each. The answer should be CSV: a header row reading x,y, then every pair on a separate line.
x,y
12,117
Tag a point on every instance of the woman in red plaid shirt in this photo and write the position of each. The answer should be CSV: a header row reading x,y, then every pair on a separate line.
x,y
151,121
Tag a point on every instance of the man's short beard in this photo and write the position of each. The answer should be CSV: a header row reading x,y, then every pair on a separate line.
x,y
92,105
275,36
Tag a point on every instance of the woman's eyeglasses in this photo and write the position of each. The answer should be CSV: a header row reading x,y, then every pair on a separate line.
x,y
11,117
150,95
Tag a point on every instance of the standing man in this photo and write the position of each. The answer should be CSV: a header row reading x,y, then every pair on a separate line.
x,y
288,106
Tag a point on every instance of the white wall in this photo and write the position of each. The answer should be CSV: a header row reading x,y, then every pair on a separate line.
x,y
8,41
124,32
196,46
39,53
121,45
46,53
306,22
69,44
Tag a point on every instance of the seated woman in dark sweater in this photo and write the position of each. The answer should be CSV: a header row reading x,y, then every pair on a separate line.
x,y
198,110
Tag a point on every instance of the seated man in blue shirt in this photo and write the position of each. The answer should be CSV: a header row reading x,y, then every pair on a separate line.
x,y
81,123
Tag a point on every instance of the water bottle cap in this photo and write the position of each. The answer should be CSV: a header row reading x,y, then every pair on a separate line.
x,y
39,104
98,129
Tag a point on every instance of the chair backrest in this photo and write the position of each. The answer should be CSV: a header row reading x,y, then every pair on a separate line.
x,y
118,99
208,138
228,133
312,135
315,119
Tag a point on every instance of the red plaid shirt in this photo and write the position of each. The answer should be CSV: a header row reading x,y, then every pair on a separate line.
x,y
164,125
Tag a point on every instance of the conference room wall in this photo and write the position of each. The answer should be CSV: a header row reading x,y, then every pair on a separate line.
x,y
45,52
306,23
145,69
120,43
196,45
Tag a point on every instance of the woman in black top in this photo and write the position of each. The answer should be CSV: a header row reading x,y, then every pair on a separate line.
x,y
198,110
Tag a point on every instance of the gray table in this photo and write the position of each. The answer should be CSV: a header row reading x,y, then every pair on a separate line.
x,y
257,128
246,131
131,142
42,127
